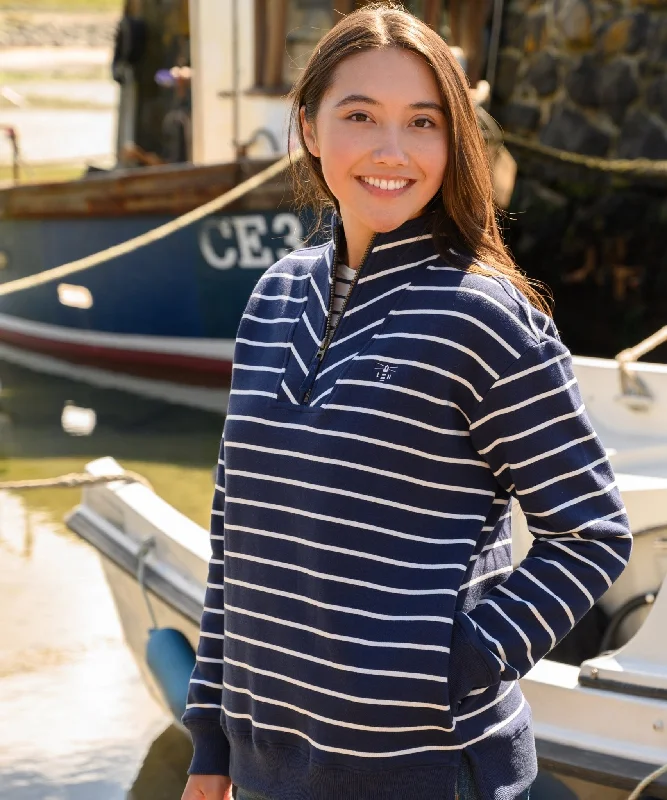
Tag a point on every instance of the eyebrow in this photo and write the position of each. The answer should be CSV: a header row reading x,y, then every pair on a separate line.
x,y
351,99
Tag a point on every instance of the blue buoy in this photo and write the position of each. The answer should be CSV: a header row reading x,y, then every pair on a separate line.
x,y
171,659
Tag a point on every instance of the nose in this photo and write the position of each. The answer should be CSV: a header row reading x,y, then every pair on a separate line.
x,y
390,150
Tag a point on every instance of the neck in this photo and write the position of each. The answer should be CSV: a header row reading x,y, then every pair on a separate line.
x,y
354,242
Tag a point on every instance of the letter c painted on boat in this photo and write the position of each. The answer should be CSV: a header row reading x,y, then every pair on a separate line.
x,y
213,259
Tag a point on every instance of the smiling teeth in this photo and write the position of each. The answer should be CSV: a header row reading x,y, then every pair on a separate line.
x,y
390,186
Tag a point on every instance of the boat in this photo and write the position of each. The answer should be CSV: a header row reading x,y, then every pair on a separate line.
x,y
216,117
598,700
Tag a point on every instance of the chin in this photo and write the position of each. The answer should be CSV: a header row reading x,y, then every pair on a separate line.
x,y
384,223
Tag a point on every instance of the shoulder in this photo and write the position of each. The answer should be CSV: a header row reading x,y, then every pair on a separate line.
x,y
493,302
298,262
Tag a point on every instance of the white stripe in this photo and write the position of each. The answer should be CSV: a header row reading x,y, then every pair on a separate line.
x,y
485,577
220,489
587,524
542,586
361,612
387,673
206,683
304,316
252,368
503,657
352,522
358,438
336,636
397,418
209,635
254,392
397,269
210,660
492,546
376,299
338,578
569,575
323,394
389,245
392,387
504,590
255,343
288,275
530,370
534,429
330,721
336,364
610,487
345,551
319,296
494,702
579,557
440,340
217,513
362,467
424,366
219,611
286,297
299,360
478,293
203,705
546,454
601,544
331,693
289,394
563,476
460,315
534,399
526,640
342,339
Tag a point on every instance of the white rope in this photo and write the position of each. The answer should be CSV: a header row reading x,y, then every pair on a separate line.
x,y
650,343
648,780
151,236
74,479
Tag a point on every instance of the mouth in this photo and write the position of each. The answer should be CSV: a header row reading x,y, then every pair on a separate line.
x,y
391,187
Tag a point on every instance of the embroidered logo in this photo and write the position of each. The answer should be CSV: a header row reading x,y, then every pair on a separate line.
x,y
383,372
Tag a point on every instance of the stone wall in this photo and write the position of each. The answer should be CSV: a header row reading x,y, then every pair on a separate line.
x,y
589,76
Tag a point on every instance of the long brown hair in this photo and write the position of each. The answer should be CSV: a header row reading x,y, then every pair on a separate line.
x,y
465,220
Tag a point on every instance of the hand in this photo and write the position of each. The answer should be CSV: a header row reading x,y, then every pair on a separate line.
x,y
208,787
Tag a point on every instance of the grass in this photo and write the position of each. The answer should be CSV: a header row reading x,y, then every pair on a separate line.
x,y
64,6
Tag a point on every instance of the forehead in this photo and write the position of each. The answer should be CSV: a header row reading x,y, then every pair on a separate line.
x,y
389,75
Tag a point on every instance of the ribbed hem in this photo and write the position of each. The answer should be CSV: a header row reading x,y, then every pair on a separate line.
x,y
469,668
211,748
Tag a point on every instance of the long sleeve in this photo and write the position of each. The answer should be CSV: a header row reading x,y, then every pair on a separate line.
x,y
203,709
532,429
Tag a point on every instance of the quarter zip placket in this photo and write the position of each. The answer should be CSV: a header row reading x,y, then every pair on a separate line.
x,y
329,333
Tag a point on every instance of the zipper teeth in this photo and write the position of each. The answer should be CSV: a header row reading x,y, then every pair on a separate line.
x,y
327,341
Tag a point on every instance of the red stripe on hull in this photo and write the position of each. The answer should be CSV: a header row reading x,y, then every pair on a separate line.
x,y
172,366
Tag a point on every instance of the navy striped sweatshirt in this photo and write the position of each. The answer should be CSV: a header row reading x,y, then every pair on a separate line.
x,y
372,627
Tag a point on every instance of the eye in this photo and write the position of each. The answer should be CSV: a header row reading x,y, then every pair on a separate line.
x,y
423,122
355,117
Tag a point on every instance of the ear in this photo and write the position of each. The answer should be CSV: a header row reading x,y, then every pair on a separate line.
x,y
309,133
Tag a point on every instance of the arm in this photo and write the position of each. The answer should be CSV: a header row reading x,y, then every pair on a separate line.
x,y
202,712
532,429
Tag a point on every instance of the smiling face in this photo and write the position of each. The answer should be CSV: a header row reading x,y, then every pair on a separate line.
x,y
380,136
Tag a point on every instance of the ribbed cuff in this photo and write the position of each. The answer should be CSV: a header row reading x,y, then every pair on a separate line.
x,y
211,748
469,667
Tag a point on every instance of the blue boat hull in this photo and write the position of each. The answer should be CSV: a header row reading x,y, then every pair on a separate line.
x,y
174,305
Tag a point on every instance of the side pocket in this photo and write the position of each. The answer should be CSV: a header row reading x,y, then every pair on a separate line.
x,y
468,668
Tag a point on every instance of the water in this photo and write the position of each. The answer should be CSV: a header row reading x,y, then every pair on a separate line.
x,y
77,721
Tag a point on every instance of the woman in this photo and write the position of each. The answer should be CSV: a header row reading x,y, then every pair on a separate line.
x,y
379,425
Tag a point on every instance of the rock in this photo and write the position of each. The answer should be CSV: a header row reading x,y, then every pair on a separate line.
x,y
642,136
618,89
506,72
625,35
656,96
575,20
614,38
513,31
543,73
536,33
519,117
656,44
569,129
583,82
